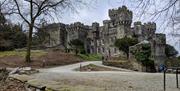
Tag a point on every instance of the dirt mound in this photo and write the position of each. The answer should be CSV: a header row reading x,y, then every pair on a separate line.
x,y
92,67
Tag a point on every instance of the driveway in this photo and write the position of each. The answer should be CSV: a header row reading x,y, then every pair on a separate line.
x,y
64,78
70,68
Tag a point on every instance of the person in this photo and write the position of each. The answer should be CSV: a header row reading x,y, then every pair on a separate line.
x,y
162,67
44,63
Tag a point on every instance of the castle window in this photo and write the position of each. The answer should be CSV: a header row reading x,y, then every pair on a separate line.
x,y
115,50
102,41
112,39
103,50
99,50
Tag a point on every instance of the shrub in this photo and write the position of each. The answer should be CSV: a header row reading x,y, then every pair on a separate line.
x,y
124,43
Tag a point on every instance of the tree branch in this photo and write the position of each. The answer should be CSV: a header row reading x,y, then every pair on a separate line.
x,y
19,12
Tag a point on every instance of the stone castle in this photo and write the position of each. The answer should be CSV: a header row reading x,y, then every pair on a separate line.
x,y
100,39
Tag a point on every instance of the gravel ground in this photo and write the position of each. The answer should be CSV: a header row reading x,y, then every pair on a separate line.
x,y
70,68
65,79
107,81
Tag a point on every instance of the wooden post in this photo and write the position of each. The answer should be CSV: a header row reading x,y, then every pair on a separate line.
x,y
80,67
164,80
177,84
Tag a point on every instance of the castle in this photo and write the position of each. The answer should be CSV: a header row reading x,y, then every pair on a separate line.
x,y
100,39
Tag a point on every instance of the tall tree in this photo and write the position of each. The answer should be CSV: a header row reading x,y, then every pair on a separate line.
x,y
124,43
170,51
11,36
77,45
32,11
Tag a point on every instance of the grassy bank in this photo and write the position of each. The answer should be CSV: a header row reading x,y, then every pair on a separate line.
x,y
90,57
15,59
35,53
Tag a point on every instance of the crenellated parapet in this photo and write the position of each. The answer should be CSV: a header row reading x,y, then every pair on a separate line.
x,y
121,15
137,23
138,28
144,31
160,39
150,26
76,26
106,22
95,25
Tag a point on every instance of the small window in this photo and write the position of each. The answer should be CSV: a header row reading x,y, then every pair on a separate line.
x,y
115,50
103,50
99,50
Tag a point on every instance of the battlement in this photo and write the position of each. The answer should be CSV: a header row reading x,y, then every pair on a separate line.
x,y
106,22
95,24
62,24
77,24
160,38
120,14
150,26
137,23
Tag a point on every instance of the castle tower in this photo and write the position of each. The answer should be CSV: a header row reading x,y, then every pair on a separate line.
x,y
96,36
95,29
149,30
145,31
138,31
122,19
158,49
106,26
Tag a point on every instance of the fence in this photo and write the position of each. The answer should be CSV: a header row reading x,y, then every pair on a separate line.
x,y
177,71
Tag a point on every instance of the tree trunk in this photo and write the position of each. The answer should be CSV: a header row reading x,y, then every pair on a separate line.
x,y
76,51
28,54
127,55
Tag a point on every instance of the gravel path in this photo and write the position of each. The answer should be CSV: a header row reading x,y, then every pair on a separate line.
x,y
106,81
65,79
70,68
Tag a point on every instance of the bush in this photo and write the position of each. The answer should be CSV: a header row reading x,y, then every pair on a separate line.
x,y
121,64
10,40
77,45
124,43
144,55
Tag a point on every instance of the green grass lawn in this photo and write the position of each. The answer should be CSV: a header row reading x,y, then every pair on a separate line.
x,y
90,57
35,53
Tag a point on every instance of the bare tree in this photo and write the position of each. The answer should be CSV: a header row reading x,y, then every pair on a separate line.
x,y
164,10
32,11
